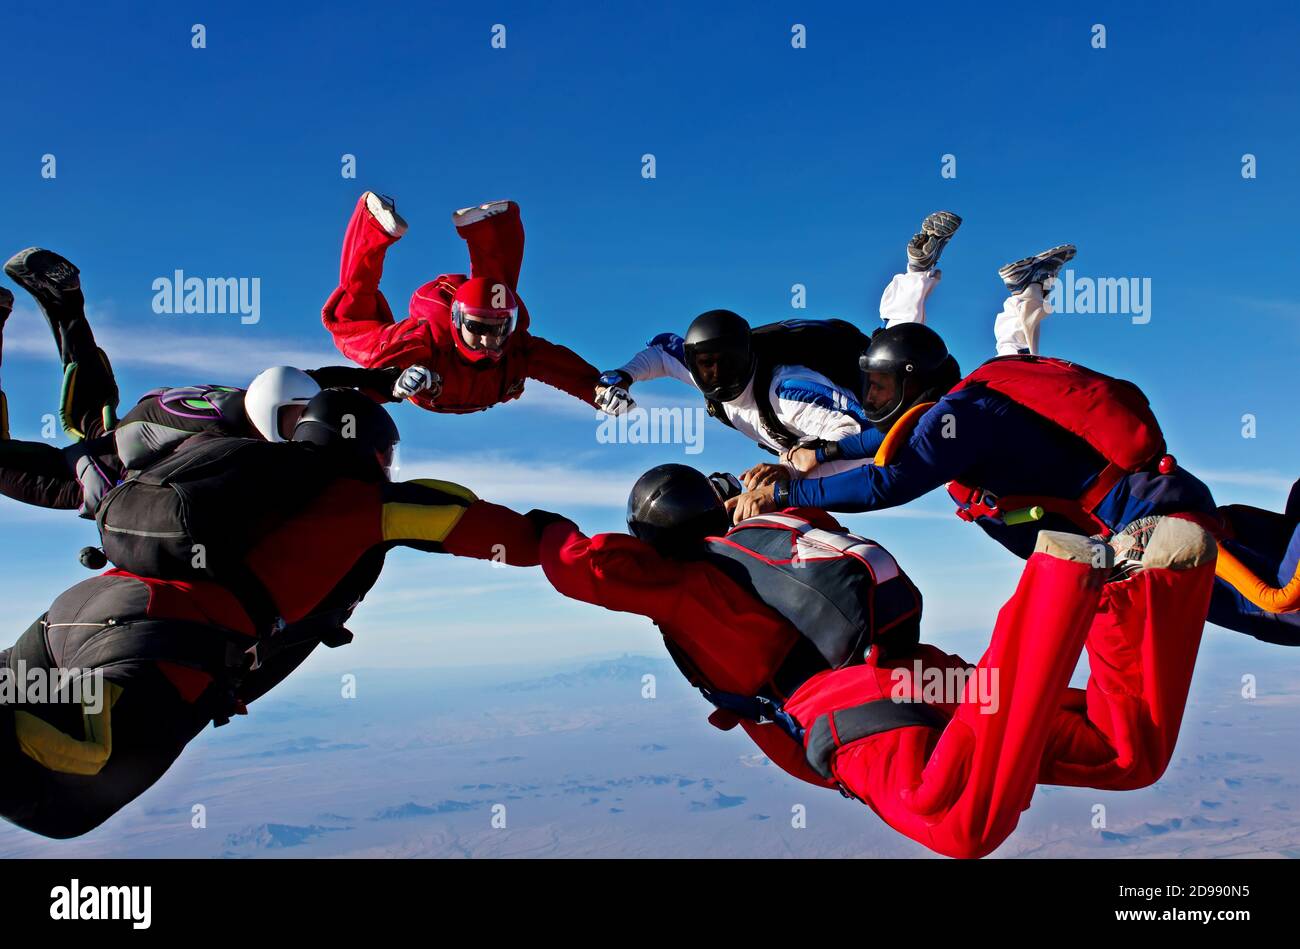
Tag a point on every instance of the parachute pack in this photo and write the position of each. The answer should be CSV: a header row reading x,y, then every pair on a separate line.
x,y
1111,415
196,515
830,347
843,594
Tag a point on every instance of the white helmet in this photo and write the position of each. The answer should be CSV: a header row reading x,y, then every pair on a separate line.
x,y
275,399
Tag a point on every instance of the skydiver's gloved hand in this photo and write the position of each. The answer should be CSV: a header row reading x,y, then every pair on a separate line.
x,y
612,396
726,484
543,519
763,474
415,379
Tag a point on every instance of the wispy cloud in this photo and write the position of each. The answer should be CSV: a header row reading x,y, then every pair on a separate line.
x,y
513,482
1272,480
172,345
1289,309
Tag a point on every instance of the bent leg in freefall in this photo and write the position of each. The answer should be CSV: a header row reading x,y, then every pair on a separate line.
x,y
357,314
960,791
1119,733
495,239
148,725
904,298
1017,326
89,395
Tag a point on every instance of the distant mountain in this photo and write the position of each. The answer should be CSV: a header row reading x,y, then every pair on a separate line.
x,y
277,836
411,809
302,746
626,668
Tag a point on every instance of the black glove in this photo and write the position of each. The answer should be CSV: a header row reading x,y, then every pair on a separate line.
x,y
543,519
727,485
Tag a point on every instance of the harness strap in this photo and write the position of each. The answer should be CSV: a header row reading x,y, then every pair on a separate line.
x,y
325,627
845,726
756,708
719,411
974,502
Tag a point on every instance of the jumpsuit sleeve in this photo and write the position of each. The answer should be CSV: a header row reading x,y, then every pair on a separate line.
x,y
615,571
376,383
442,517
927,461
665,355
863,444
816,409
561,367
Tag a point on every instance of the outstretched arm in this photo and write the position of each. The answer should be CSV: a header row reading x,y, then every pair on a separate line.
x,y
444,517
663,356
561,367
376,383
615,571
927,461
389,384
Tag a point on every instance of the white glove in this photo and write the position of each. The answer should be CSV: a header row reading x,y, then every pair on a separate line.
x,y
614,400
417,379
612,396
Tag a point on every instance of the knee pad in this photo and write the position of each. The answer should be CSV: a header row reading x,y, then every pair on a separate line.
x,y
88,389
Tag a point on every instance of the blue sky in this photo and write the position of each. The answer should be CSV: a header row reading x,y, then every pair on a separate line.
x,y
775,166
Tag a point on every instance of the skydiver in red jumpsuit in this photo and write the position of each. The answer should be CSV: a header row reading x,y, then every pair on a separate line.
x,y
952,772
472,332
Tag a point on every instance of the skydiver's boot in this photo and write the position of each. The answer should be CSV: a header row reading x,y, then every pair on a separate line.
x,y
384,210
924,248
6,307
1040,268
88,398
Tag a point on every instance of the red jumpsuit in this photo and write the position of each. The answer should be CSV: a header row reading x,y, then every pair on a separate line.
x,y
959,789
362,324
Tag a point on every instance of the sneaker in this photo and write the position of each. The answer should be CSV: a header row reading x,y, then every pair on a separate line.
x,y
924,248
467,216
1040,268
384,210
1172,543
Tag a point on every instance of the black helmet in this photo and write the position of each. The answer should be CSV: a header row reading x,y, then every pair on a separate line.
x,y
353,425
673,508
726,335
920,363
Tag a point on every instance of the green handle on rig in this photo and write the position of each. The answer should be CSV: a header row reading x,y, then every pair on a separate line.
x,y
1025,515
